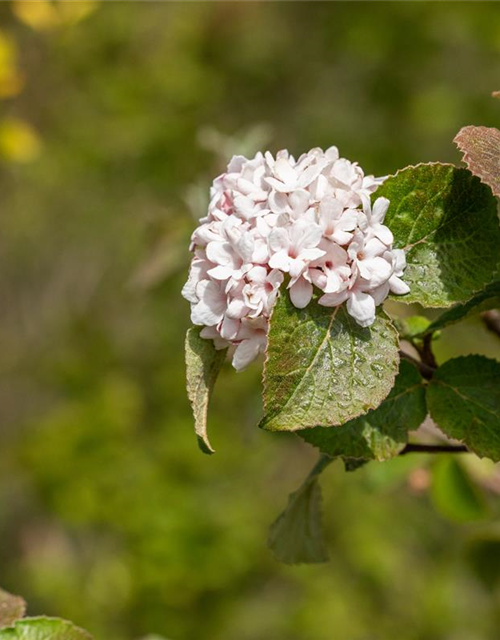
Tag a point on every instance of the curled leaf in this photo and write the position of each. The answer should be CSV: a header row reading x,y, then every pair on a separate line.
x,y
203,363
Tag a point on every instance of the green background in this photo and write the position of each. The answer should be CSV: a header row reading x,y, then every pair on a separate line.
x,y
109,514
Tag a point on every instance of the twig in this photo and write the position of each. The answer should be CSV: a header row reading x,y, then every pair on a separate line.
x,y
492,321
426,353
434,448
426,370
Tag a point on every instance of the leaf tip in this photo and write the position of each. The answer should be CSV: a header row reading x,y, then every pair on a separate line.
x,y
205,446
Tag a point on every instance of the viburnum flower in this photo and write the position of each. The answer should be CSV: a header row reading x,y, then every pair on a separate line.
x,y
311,219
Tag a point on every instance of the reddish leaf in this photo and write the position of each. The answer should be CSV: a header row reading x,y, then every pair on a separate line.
x,y
481,149
11,608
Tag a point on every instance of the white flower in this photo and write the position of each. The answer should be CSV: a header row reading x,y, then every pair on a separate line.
x,y
252,340
367,258
261,290
331,272
293,247
211,305
337,222
398,259
232,257
360,304
289,176
311,219
211,333
197,272
371,221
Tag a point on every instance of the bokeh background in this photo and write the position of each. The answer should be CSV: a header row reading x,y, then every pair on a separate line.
x,y
114,118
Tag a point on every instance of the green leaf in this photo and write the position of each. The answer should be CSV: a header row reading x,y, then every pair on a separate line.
x,y
322,368
488,298
411,327
11,608
203,363
43,628
382,433
447,222
453,493
481,149
464,400
296,536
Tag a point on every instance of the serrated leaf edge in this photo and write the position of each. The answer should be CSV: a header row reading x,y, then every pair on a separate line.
x,y
496,275
263,424
466,157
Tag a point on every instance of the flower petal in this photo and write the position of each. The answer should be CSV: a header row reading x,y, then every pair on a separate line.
x,y
361,306
220,253
278,239
379,210
220,272
333,299
301,293
383,233
245,353
398,286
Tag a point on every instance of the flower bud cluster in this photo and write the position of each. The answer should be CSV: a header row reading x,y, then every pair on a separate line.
x,y
311,219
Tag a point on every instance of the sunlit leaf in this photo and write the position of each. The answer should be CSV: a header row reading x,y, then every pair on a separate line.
x,y
447,222
411,327
73,12
322,368
203,363
11,80
464,400
44,15
43,628
488,298
383,432
40,15
19,142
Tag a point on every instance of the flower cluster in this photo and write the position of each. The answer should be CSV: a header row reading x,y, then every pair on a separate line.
x,y
309,218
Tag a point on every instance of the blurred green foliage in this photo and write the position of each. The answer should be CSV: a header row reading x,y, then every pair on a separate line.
x,y
109,514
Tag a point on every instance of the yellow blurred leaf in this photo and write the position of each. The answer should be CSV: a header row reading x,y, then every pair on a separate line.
x,y
44,15
11,80
40,15
19,142
73,12
10,84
